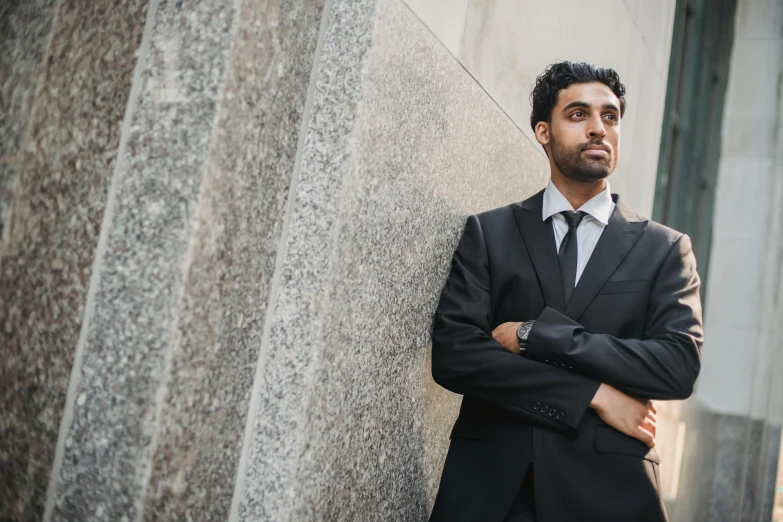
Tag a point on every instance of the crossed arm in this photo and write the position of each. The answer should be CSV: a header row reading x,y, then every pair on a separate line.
x,y
662,366
471,359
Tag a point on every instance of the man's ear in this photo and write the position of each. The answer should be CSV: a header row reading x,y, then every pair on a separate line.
x,y
542,133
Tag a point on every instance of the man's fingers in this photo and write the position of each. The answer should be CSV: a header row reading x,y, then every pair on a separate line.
x,y
650,426
651,406
646,415
645,436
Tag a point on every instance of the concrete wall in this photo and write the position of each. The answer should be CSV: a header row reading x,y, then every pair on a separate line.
x,y
505,44
738,407
271,220
746,243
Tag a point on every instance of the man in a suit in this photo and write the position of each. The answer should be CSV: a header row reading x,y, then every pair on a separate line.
x,y
564,316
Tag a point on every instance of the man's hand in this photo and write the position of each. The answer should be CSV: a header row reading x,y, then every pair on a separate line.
x,y
506,334
633,417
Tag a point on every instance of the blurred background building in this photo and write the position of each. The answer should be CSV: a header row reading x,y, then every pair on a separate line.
x,y
225,226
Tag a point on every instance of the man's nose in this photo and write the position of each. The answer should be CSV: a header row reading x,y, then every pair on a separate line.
x,y
596,127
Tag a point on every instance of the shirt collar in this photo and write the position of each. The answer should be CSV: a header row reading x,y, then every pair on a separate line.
x,y
599,206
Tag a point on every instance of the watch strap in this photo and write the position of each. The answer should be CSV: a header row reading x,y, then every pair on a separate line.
x,y
523,332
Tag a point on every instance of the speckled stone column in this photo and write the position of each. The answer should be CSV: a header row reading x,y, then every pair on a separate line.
x,y
25,30
65,75
158,400
400,145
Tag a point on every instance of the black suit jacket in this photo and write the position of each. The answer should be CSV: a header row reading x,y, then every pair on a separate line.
x,y
633,321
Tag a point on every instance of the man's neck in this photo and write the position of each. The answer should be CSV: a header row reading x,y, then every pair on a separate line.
x,y
576,192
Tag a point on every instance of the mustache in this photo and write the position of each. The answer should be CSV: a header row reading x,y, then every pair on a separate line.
x,y
598,143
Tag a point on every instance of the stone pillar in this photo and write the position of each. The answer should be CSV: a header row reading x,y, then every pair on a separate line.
x,y
65,74
399,146
25,29
170,339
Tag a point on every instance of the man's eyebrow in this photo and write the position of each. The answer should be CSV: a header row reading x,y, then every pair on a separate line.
x,y
584,105
573,104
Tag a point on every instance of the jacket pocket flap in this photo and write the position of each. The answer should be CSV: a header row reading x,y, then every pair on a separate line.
x,y
621,287
471,430
609,440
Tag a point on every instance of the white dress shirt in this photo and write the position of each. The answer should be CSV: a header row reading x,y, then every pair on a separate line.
x,y
598,210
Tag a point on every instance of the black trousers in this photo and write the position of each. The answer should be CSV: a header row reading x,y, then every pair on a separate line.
x,y
524,507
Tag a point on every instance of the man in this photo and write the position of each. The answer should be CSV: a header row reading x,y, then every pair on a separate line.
x,y
563,317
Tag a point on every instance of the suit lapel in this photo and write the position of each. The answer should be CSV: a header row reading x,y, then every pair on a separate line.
x,y
624,229
539,240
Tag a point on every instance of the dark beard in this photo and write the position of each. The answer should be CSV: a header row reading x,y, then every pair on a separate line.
x,y
572,166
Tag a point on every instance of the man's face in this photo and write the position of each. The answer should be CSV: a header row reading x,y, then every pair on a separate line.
x,y
584,132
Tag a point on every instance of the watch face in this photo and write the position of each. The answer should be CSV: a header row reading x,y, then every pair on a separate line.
x,y
523,330
526,329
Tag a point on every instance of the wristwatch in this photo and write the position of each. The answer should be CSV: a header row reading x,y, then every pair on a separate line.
x,y
522,334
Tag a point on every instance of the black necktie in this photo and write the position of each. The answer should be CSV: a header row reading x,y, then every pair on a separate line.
x,y
567,252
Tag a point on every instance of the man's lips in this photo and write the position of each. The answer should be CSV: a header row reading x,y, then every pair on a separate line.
x,y
597,150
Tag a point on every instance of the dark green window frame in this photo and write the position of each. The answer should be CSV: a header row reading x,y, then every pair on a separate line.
x,y
691,137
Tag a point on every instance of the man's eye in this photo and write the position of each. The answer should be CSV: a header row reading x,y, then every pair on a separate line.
x,y
611,117
578,114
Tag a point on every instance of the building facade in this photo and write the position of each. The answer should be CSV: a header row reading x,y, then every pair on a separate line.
x,y
225,227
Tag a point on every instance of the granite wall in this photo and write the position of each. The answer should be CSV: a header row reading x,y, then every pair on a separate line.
x,y
400,146
163,371
66,73
24,37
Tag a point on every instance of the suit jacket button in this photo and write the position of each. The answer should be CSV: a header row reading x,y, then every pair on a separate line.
x,y
551,413
544,408
560,415
537,406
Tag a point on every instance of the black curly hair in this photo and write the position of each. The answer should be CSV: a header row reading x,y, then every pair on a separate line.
x,y
559,76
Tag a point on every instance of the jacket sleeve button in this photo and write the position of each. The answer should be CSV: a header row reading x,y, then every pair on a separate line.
x,y
544,408
560,415
537,406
